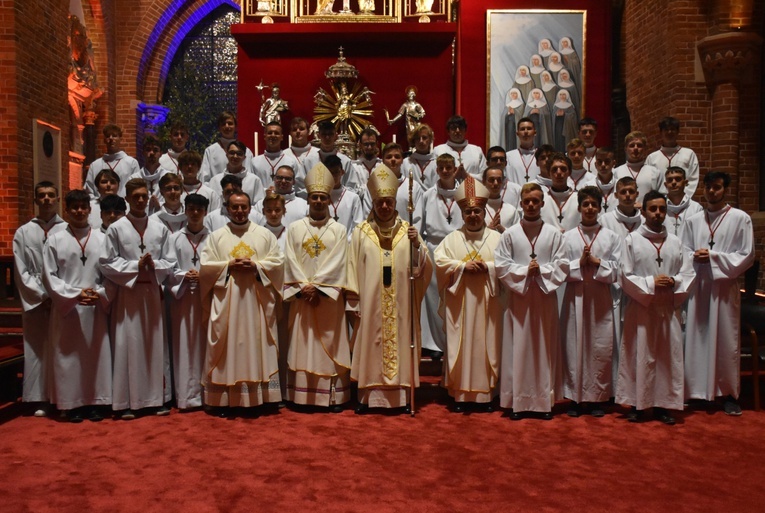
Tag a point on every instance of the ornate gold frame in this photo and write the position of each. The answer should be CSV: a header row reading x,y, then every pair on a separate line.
x,y
302,12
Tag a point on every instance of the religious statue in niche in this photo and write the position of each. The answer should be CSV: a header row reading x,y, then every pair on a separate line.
x,y
348,106
366,6
410,110
272,107
81,67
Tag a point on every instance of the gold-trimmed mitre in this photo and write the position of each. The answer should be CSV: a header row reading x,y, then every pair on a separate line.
x,y
319,179
383,183
471,193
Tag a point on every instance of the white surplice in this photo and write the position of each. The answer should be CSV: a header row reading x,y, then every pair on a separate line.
x,y
677,215
531,369
468,155
587,316
268,163
678,156
188,332
651,352
345,207
472,306
648,178
251,184
28,242
319,356
79,348
522,166
423,168
141,376
561,209
215,161
241,366
119,162
713,328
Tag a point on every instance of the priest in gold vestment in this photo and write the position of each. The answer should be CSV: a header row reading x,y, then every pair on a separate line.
x,y
241,277
471,302
319,357
379,295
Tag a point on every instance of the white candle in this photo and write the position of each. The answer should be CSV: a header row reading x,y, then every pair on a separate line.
x,y
255,138
289,140
394,137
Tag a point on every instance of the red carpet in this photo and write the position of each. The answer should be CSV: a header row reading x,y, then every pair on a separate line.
x,y
439,461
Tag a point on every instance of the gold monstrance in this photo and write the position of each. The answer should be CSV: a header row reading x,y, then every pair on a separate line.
x,y
349,108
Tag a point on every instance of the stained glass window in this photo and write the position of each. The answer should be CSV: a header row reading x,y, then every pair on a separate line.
x,y
202,79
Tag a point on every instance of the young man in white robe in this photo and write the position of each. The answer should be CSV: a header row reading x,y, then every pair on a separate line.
x,y
135,258
300,149
171,214
113,208
656,275
344,205
188,165
385,302
219,218
527,261
522,162
588,131
28,242
560,208
604,178
79,346
319,357
215,159
680,206
107,183
472,302
295,208
265,165
720,241
511,191
580,177
242,271
542,156
440,217
365,164
422,162
647,177
236,166
327,148
468,158
500,214
114,159
591,262
672,154
393,157
179,139
151,172
188,333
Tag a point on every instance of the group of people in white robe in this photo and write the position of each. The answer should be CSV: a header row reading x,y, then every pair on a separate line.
x,y
549,91
553,277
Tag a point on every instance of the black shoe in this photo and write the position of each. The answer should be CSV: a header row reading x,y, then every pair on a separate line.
x,y
162,411
664,417
361,409
128,415
514,415
459,407
635,415
336,408
488,407
731,407
95,416
74,416
598,411
407,410
547,415
573,409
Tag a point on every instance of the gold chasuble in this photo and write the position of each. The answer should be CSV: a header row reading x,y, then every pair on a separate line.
x,y
242,355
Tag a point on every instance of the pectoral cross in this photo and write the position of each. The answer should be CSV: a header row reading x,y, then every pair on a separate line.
x,y
83,259
533,255
316,246
386,254
195,258
659,260
711,243
336,217
142,247
449,219
560,217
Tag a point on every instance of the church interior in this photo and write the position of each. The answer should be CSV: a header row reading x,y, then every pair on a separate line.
x,y
70,67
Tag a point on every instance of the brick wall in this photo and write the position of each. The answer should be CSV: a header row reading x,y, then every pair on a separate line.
x,y
662,80
9,175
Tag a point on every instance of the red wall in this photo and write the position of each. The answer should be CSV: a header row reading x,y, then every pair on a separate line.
x,y
391,56
388,59
471,60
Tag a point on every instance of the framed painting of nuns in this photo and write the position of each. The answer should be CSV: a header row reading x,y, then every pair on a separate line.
x,y
533,56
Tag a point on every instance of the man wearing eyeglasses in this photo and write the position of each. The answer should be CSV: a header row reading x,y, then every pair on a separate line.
x,y
296,208
251,184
